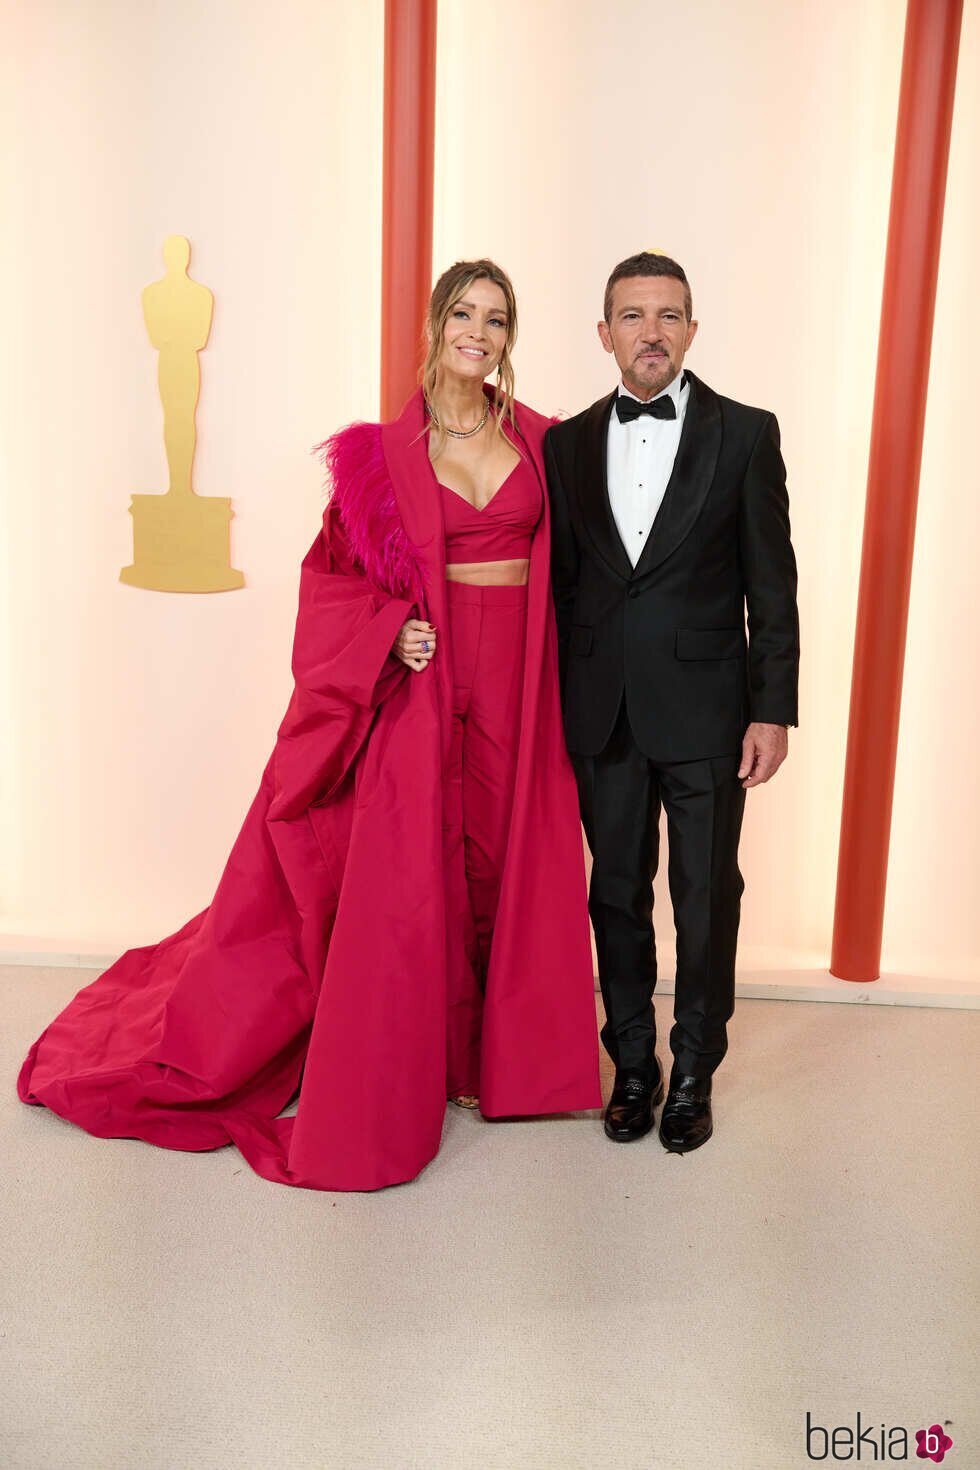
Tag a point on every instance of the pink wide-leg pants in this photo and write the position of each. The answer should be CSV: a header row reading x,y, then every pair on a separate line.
x,y
486,642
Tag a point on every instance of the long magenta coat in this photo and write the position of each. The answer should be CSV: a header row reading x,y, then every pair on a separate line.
x,y
325,961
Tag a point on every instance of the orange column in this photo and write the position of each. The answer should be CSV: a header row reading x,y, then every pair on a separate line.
x,y
925,111
406,243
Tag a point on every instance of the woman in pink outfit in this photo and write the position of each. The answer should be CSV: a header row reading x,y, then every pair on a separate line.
x,y
402,918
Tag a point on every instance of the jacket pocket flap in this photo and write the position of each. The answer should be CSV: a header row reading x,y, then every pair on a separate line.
x,y
710,643
580,641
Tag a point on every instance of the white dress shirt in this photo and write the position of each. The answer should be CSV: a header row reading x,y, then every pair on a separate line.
x,y
639,458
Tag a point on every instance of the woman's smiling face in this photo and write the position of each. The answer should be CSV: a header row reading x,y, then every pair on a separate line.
x,y
475,333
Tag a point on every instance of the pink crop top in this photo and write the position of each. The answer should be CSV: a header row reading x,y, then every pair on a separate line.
x,y
502,530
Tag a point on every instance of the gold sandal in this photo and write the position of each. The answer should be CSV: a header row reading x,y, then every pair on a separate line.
x,y
465,1100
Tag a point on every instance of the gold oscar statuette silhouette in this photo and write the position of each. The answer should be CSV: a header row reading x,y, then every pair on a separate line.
x,y
181,540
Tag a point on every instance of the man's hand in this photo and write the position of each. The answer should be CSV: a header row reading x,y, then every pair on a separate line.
x,y
764,748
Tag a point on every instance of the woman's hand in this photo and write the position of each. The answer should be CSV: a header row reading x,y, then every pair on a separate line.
x,y
415,644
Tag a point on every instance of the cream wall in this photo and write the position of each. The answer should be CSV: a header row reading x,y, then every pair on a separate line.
x,y
753,142
137,724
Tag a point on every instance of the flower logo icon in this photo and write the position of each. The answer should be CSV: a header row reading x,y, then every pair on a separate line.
x,y
933,1443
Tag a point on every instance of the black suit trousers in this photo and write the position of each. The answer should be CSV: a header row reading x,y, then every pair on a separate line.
x,y
621,793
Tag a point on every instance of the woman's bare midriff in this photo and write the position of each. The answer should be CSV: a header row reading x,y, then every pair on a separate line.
x,y
489,573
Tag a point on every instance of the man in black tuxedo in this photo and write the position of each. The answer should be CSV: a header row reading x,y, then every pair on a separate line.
x,y
670,520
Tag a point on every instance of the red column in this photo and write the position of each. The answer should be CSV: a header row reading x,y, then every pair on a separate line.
x,y
406,242
925,111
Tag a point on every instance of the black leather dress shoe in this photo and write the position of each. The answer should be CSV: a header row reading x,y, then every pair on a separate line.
x,y
629,1113
686,1119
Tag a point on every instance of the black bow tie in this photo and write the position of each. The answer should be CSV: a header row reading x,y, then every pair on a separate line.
x,y
628,409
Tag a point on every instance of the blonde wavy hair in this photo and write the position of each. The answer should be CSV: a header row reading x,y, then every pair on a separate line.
x,y
450,288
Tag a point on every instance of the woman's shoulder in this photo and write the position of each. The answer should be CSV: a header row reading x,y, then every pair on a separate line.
x,y
354,438
350,455
356,473
362,498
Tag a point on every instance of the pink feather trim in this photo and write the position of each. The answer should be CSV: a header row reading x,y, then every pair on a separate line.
x,y
365,498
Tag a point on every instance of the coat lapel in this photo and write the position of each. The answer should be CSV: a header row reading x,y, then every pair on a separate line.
x,y
413,480
593,489
419,504
690,479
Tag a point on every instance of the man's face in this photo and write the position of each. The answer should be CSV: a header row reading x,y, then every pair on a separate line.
x,y
648,331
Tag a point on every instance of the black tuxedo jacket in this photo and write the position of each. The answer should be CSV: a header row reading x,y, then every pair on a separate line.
x,y
671,632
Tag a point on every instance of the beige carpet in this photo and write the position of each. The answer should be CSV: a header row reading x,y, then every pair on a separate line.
x,y
539,1298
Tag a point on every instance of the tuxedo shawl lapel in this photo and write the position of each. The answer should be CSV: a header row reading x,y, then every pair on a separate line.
x,y
593,490
690,479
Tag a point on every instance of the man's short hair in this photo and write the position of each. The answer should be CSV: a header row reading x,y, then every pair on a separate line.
x,y
647,263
